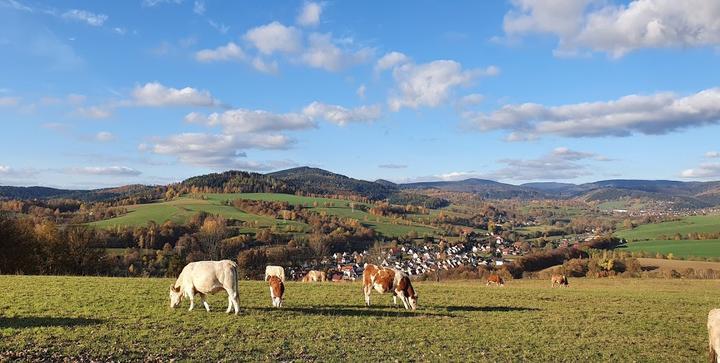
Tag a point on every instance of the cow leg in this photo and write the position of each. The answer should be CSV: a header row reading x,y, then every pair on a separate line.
x,y
230,304
366,291
205,304
394,299
403,298
191,297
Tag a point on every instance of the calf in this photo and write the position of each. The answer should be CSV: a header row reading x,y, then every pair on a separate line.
x,y
275,271
206,277
277,290
315,276
495,279
384,280
560,280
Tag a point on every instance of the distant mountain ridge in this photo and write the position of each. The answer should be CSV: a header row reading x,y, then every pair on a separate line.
x,y
322,182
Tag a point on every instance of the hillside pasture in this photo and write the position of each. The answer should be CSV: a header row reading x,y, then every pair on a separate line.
x,y
681,248
709,223
129,319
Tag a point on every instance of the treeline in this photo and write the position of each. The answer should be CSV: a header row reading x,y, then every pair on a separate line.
x,y
543,259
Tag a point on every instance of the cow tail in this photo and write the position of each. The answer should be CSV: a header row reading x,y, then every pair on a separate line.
x,y
712,354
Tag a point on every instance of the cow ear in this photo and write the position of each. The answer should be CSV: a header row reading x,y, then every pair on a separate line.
x,y
173,288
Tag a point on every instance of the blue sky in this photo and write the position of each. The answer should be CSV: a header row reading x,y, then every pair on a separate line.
x,y
96,94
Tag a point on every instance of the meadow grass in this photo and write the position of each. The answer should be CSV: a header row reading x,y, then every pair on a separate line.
x,y
710,223
129,319
681,248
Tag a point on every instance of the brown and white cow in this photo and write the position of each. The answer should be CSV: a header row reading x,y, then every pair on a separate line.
x,y
384,279
315,276
496,280
278,271
277,290
206,277
560,280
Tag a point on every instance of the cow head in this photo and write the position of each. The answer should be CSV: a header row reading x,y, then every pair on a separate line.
x,y
413,301
175,296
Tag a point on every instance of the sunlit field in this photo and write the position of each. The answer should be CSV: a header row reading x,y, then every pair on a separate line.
x,y
129,319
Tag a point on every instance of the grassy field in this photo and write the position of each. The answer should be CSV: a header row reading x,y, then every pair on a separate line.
x,y
129,319
682,248
684,226
181,209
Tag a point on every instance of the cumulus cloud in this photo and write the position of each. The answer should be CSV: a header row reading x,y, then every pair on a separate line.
x,y
228,52
275,37
104,136
390,60
472,99
154,94
9,101
243,120
94,112
85,16
712,154
431,84
560,164
645,114
324,54
704,171
309,14
341,115
106,171
617,29
218,150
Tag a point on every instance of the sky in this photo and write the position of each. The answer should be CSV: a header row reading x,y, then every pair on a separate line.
x,y
98,94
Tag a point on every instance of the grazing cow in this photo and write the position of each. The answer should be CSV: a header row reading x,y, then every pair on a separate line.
x,y
275,271
713,326
206,277
315,276
496,280
384,280
561,280
277,290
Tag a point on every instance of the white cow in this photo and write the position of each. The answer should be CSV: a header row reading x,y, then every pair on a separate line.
x,y
206,277
275,271
713,326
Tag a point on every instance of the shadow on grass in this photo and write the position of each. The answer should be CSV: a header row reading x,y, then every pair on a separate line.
x,y
489,308
45,321
362,311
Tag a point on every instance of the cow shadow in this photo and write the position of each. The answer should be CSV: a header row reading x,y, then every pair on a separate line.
x,y
489,308
359,311
45,322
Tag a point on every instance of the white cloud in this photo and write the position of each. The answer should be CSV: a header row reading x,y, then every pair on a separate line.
x,y
9,101
431,84
392,166
199,7
151,3
391,60
323,53
228,52
472,99
104,136
712,154
121,31
309,14
220,27
94,112
275,37
85,16
218,151
240,121
361,91
340,115
617,29
704,171
75,99
265,66
155,94
106,171
653,114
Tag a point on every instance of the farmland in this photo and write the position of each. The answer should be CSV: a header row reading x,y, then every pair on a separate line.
x,y
709,223
128,318
682,248
181,209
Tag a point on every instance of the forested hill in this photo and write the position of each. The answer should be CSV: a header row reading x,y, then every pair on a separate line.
x,y
319,181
